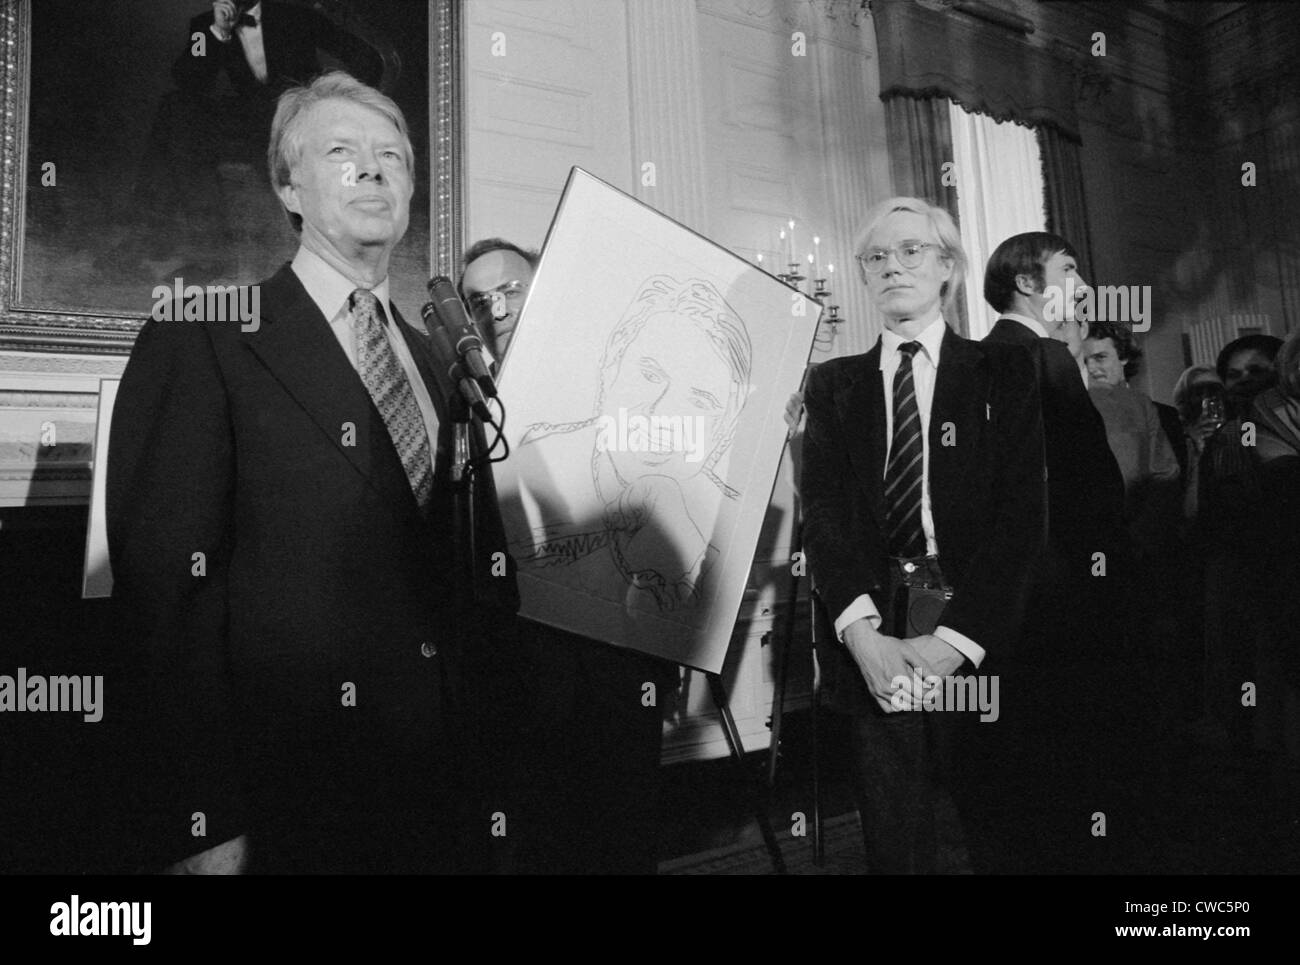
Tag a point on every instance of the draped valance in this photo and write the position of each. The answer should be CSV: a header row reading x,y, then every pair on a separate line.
x,y
986,67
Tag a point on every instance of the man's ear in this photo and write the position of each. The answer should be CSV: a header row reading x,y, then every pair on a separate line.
x,y
1026,285
288,196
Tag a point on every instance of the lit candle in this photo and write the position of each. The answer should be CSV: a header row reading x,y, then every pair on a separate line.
x,y
817,261
783,247
760,259
790,253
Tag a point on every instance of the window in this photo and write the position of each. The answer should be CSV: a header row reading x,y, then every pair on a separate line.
x,y
999,173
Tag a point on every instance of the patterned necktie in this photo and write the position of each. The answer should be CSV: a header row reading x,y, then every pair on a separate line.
x,y
391,392
903,474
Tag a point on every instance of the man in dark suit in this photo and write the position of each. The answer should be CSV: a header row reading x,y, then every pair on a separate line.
x,y
1084,485
279,520
1033,281
236,61
263,48
921,457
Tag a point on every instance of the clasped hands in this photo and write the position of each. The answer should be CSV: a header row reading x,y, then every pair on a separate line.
x,y
891,665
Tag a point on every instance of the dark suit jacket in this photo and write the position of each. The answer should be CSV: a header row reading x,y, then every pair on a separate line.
x,y
1172,423
320,576
1085,502
986,490
291,37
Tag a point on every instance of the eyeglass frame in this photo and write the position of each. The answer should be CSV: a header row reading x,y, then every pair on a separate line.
x,y
860,258
510,291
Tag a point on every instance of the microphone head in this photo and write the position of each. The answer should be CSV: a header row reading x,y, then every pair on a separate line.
x,y
440,286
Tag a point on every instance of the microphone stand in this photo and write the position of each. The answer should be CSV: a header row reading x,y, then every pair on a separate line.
x,y
466,433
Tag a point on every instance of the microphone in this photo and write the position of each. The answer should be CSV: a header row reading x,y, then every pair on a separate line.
x,y
451,370
442,364
452,317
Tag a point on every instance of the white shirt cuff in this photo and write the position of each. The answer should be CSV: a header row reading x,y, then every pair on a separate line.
x,y
859,608
963,644
216,32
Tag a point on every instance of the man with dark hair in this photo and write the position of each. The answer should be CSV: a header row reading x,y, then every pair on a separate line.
x,y
280,526
494,285
1085,490
1027,276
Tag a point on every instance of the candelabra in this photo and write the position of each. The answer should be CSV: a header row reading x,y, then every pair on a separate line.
x,y
820,292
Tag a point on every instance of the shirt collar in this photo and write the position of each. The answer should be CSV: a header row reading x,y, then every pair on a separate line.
x,y
328,288
1033,324
931,338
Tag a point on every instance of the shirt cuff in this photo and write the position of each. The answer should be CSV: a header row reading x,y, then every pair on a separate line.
x,y
859,608
224,38
963,644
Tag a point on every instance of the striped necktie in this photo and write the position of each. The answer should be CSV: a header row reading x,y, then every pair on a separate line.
x,y
903,480
391,392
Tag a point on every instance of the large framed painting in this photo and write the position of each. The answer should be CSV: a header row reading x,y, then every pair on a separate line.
x,y
646,428
135,149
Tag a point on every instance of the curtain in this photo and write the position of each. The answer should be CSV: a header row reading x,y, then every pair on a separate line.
x,y
986,67
1062,177
920,139
1000,194
922,126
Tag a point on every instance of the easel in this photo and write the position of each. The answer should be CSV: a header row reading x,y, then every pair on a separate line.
x,y
721,702
817,629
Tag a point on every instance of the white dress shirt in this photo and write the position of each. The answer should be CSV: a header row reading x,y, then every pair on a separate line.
x,y
250,38
332,293
925,366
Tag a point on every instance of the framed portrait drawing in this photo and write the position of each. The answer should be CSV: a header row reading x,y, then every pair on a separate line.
x,y
647,430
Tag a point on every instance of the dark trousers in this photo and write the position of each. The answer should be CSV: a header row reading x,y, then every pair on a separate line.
x,y
586,785
901,766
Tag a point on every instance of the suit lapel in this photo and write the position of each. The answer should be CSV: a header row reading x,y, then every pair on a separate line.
x,y
960,400
298,348
863,405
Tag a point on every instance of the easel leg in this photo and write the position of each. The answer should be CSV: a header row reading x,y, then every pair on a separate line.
x,y
738,755
819,846
783,658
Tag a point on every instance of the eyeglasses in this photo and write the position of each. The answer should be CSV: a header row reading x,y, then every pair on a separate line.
x,y
480,302
910,254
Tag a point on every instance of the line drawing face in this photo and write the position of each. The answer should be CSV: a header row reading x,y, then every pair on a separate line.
x,y
674,380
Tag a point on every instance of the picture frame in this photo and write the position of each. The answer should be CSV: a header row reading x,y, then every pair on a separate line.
x,y
53,298
646,432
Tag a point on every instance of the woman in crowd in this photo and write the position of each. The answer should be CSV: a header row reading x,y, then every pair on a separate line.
x,y
1141,447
